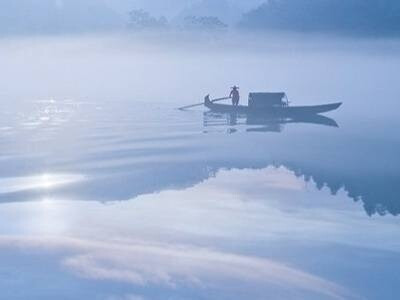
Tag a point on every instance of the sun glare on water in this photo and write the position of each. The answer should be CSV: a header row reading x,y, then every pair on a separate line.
x,y
44,181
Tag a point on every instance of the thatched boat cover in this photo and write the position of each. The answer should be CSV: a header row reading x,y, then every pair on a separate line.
x,y
266,99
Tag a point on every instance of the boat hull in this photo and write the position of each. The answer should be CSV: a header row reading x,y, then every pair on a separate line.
x,y
289,110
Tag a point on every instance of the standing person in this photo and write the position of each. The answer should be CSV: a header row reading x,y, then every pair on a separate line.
x,y
235,95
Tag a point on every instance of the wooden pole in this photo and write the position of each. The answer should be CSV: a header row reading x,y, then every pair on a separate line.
x,y
202,103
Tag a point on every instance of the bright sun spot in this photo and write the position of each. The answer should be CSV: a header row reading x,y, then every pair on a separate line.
x,y
46,181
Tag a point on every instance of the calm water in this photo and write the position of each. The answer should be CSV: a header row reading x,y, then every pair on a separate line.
x,y
122,198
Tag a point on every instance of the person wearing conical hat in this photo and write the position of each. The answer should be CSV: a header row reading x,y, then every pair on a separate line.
x,y
235,95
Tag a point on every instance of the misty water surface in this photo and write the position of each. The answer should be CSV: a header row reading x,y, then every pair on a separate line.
x,y
107,191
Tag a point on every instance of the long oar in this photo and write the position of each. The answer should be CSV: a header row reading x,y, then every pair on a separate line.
x,y
202,103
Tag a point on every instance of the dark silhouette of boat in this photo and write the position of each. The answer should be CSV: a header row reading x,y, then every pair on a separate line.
x,y
256,119
269,103
264,122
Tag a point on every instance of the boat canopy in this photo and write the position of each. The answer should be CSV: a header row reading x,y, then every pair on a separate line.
x,y
266,99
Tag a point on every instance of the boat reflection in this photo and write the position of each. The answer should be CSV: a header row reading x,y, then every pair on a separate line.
x,y
263,123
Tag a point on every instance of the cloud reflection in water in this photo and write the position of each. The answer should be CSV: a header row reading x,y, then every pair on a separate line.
x,y
179,266
195,239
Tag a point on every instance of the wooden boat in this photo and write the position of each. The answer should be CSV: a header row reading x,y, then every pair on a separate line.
x,y
270,103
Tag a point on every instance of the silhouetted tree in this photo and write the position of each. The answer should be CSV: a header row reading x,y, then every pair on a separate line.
x,y
139,19
204,23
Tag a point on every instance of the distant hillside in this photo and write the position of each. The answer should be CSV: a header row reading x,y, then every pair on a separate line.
x,y
56,16
371,17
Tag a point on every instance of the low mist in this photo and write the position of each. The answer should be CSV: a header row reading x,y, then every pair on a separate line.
x,y
183,68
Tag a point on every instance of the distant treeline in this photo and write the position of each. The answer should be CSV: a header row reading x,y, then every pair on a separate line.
x,y
368,17
358,17
142,20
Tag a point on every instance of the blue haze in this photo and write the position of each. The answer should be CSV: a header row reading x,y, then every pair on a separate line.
x,y
82,16
107,191
355,17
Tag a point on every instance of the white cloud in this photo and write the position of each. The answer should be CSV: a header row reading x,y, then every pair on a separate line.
x,y
147,264
270,177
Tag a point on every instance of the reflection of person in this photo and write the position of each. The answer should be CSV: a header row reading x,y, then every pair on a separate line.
x,y
235,95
